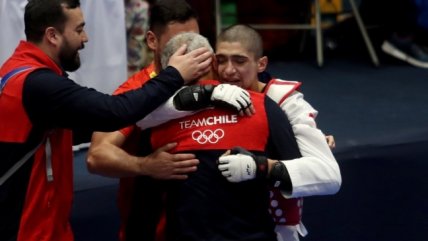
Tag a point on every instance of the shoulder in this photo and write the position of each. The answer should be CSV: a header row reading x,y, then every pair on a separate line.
x,y
136,80
47,78
279,89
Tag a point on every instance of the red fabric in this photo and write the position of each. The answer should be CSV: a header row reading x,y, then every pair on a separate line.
x,y
284,211
46,211
293,86
126,185
135,82
13,113
203,137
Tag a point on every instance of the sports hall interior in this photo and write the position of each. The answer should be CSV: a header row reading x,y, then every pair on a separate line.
x,y
376,110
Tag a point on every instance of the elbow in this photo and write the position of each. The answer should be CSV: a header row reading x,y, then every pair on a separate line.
x,y
336,182
91,163
336,186
332,183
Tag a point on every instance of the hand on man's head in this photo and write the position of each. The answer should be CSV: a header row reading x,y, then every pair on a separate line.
x,y
192,65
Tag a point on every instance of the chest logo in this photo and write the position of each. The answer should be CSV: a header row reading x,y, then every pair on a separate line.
x,y
210,136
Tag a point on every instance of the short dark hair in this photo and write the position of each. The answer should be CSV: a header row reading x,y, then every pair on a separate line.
x,y
41,14
244,34
163,12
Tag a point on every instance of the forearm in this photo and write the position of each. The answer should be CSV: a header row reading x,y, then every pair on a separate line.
x,y
190,99
317,171
108,159
278,176
162,114
62,103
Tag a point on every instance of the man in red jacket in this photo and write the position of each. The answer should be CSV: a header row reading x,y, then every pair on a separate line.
x,y
39,106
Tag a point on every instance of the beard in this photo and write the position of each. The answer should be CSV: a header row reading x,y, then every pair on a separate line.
x,y
69,57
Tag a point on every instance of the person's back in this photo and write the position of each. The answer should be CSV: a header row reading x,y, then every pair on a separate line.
x,y
206,205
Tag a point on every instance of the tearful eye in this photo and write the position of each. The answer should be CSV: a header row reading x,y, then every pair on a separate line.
x,y
240,60
221,60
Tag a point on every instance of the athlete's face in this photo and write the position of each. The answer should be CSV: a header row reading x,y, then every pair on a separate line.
x,y
237,66
157,43
73,39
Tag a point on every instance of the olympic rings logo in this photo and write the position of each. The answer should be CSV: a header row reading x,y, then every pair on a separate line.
x,y
210,136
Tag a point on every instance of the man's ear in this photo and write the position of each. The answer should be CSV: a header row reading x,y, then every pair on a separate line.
x,y
214,67
214,63
262,64
152,41
52,36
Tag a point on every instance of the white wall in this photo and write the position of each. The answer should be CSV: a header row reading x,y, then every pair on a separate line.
x,y
104,57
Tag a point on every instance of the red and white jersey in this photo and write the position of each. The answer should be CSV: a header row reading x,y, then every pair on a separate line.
x,y
317,172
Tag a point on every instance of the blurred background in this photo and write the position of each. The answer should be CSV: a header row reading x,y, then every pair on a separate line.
x,y
377,111
375,105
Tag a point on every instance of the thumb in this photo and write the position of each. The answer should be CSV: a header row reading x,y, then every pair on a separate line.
x,y
181,50
226,153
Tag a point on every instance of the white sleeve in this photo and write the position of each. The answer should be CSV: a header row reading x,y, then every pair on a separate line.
x,y
317,171
162,114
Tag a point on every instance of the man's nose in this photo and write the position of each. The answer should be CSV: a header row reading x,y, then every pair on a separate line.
x,y
230,69
85,38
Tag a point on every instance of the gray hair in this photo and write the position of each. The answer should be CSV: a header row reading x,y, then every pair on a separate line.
x,y
193,41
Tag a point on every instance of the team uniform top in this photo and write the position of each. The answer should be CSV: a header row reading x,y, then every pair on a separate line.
x,y
206,206
41,102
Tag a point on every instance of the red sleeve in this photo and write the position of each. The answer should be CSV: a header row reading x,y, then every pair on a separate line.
x,y
133,82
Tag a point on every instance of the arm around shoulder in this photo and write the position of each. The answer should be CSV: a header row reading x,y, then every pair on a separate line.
x,y
317,171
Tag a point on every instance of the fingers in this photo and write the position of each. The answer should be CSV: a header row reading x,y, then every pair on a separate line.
x,y
330,141
167,147
250,110
200,53
246,107
203,56
226,153
184,163
224,159
182,157
223,167
181,50
200,64
226,173
185,170
204,65
182,168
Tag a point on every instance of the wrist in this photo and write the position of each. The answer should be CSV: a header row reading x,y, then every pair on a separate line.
x,y
262,166
141,167
279,176
193,97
